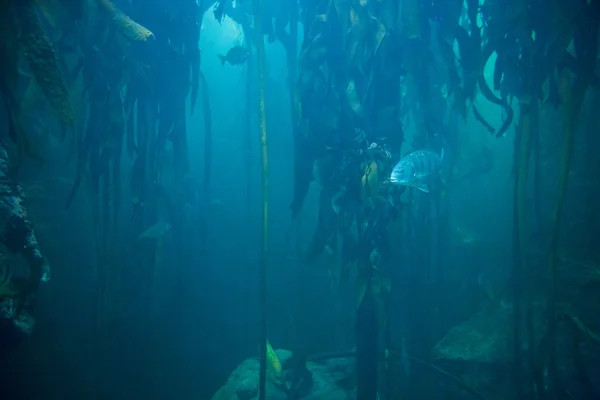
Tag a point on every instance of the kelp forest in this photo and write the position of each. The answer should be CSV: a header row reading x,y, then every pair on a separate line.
x,y
438,164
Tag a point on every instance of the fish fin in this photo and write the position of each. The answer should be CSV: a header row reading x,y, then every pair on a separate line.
x,y
421,186
223,59
442,155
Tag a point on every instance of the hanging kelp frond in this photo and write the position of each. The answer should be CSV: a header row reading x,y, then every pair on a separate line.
x,y
9,77
219,10
8,48
9,72
14,127
410,19
43,62
195,74
126,25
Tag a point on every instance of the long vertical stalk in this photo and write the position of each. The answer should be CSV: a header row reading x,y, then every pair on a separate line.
x,y
260,53
592,163
248,117
528,116
292,62
522,145
366,341
572,96
533,115
206,182
537,172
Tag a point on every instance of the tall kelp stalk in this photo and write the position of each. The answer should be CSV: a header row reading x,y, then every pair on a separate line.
x,y
172,63
109,71
421,321
292,60
113,73
134,91
100,146
443,134
248,120
522,275
264,236
207,170
520,251
289,14
134,87
569,125
572,94
199,81
9,48
299,345
349,130
188,252
532,113
290,43
592,142
536,154
545,53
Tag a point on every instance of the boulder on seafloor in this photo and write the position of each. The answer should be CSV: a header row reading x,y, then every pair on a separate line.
x,y
480,351
485,338
330,380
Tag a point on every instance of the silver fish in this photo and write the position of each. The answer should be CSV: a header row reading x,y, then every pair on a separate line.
x,y
413,168
156,231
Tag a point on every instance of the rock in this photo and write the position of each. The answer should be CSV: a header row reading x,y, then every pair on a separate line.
x,y
480,351
22,265
16,231
484,338
329,377
14,327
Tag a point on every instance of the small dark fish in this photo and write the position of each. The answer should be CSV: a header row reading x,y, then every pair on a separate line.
x,y
235,56
415,167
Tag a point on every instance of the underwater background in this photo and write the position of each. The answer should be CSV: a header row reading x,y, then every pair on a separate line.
x,y
300,199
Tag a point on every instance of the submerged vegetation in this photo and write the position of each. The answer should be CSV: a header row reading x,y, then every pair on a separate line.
x,y
382,93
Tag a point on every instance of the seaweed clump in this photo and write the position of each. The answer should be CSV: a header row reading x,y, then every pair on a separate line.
x,y
43,62
128,27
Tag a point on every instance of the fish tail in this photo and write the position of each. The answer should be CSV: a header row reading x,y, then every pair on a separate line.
x,y
223,59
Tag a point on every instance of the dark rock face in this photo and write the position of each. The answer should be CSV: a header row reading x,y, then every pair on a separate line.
x,y
22,265
15,325
16,231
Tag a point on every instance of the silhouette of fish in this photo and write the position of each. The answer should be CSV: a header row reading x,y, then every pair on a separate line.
x,y
235,56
